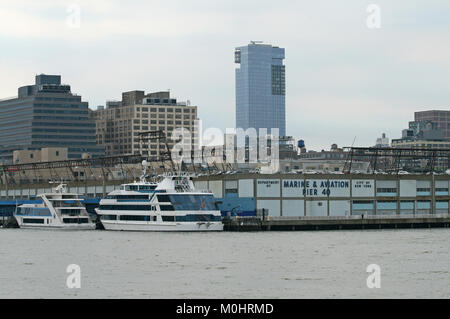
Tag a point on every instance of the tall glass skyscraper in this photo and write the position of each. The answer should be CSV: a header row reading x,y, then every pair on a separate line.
x,y
260,88
46,114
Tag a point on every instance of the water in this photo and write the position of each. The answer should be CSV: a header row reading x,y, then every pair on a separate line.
x,y
324,264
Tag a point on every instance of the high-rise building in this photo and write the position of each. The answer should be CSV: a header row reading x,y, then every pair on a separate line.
x,y
119,124
440,117
260,88
46,114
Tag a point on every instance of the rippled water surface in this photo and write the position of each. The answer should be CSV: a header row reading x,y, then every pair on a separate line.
x,y
323,264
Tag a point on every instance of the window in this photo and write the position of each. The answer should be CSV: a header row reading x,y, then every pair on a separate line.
x,y
198,218
125,207
135,218
166,207
168,218
163,198
193,202
75,220
386,190
128,197
33,221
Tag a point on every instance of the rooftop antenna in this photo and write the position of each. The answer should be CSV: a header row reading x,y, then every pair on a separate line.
x,y
256,42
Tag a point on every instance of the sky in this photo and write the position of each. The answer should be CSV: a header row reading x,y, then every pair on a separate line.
x,y
346,83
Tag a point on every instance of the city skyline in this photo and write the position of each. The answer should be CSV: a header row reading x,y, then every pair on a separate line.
x,y
344,79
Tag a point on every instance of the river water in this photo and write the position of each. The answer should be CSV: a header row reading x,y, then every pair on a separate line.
x,y
320,264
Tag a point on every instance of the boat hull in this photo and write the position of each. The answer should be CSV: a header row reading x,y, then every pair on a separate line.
x,y
158,227
63,227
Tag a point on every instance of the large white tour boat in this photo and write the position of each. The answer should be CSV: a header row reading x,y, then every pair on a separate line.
x,y
171,205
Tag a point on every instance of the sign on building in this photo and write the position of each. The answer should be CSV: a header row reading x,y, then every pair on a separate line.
x,y
268,187
363,188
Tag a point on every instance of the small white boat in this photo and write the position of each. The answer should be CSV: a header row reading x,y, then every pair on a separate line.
x,y
59,209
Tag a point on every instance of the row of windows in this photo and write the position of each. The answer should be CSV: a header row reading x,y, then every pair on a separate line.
x,y
71,106
127,197
85,150
386,190
65,144
163,116
72,212
125,207
44,111
44,98
64,137
48,130
34,211
162,109
33,221
63,124
187,218
5,116
75,220
61,118
136,127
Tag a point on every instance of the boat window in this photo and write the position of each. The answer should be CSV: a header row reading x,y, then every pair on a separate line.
x,y
166,207
33,211
127,197
135,218
163,198
33,220
75,220
147,187
168,218
125,207
193,202
71,212
199,218
108,217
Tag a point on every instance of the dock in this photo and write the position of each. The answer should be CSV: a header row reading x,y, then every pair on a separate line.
x,y
299,223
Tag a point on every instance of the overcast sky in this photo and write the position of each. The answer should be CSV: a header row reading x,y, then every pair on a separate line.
x,y
343,79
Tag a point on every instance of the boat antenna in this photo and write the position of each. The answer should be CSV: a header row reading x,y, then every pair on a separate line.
x,y
144,171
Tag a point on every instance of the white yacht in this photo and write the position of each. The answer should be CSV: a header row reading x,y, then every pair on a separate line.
x,y
59,209
171,205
